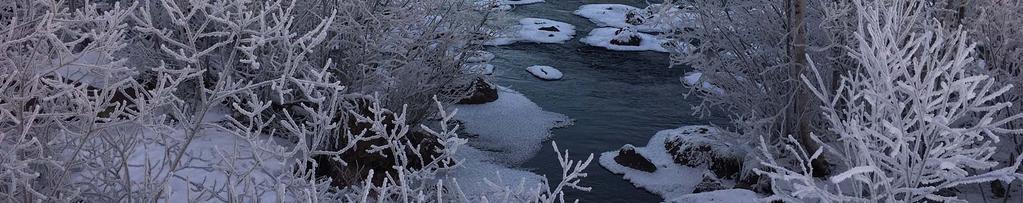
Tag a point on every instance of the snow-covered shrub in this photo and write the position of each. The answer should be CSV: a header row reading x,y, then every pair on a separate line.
x,y
62,91
905,119
408,51
995,27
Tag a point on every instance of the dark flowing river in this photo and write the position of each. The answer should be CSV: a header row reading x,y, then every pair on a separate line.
x,y
615,98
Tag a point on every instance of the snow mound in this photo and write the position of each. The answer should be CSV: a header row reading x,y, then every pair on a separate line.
x,y
602,37
692,78
622,16
512,128
536,30
478,68
728,196
670,180
478,56
545,72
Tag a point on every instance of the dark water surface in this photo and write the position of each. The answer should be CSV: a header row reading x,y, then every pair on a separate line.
x,y
616,98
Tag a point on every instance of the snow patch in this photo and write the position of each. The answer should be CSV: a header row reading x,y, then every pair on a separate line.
x,y
545,72
511,128
601,37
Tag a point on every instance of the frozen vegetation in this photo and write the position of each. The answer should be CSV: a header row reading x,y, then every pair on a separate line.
x,y
395,101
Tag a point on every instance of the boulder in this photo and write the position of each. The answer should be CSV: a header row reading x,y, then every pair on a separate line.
x,y
628,157
700,146
482,92
633,40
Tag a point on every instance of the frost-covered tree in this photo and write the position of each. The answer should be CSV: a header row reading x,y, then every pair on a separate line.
x,y
912,120
995,26
749,54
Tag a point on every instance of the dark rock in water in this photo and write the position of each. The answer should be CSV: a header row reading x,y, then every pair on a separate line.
x,y
482,92
628,157
633,41
696,147
708,184
550,28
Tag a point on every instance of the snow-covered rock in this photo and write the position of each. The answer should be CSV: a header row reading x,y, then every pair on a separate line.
x,y
478,68
623,40
628,157
622,16
511,128
536,30
545,72
697,146
670,180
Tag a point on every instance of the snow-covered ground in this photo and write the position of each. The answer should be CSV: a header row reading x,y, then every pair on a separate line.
x,y
671,181
601,37
545,72
536,30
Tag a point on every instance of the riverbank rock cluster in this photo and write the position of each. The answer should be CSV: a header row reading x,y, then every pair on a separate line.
x,y
701,148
